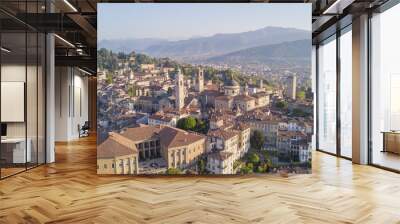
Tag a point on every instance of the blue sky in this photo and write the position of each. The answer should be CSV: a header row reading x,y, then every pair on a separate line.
x,y
181,21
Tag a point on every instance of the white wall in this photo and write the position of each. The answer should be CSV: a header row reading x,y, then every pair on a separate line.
x,y
12,73
33,126
71,103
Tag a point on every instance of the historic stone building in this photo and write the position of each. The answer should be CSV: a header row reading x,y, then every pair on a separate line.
x,y
200,81
177,148
179,91
117,155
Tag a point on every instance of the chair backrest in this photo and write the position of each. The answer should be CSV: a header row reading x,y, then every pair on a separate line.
x,y
86,125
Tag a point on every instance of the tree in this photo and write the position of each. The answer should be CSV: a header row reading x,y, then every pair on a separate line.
x,y
201,166
262,168
173,171
201,126
109,79
132,91
192,124
250,167
122,56
106,60
188,123
144,59
301,95
254,158
247,169
267,158
282,104
257,140
299,112
169,91
237,164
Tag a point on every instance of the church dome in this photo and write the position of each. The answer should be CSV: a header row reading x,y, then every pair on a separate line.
x,y
231,82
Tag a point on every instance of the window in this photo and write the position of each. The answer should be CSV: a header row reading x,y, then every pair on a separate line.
x,y
385,85
327,95
22,75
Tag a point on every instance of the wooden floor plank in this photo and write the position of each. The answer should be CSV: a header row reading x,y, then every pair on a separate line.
x,y
70,191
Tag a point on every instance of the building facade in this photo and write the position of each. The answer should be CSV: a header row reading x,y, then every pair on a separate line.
x,y
179,91
117,155
200,81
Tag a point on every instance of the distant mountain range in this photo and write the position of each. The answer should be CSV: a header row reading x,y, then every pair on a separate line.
x,y
129,45
270,43
298,52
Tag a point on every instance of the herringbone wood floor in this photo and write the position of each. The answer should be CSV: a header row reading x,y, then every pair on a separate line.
x,y
69,191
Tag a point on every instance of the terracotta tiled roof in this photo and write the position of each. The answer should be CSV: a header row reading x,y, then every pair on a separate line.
x,y
291,134
243,98
260,94
221,155
226,135
141,133
225,98
173,137
147,98
160,117
241,126
211,93
169,136
214,87
115,146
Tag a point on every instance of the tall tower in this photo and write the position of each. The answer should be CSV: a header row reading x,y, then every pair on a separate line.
x,y
179,92
261,83
291,86
200,81
246,90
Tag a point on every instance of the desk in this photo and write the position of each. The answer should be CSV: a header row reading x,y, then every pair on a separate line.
x,y
13,150
391,141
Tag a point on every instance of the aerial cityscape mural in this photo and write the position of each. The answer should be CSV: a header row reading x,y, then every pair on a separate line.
x,y
183,89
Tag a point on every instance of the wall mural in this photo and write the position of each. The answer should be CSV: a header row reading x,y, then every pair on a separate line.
x,y
203,89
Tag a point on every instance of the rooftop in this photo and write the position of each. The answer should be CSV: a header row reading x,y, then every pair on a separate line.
x,y
141,133
115,146
231,82
260,94
169,136
161,117
221,155
174,137
225,98
291,134
243,98
224,134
